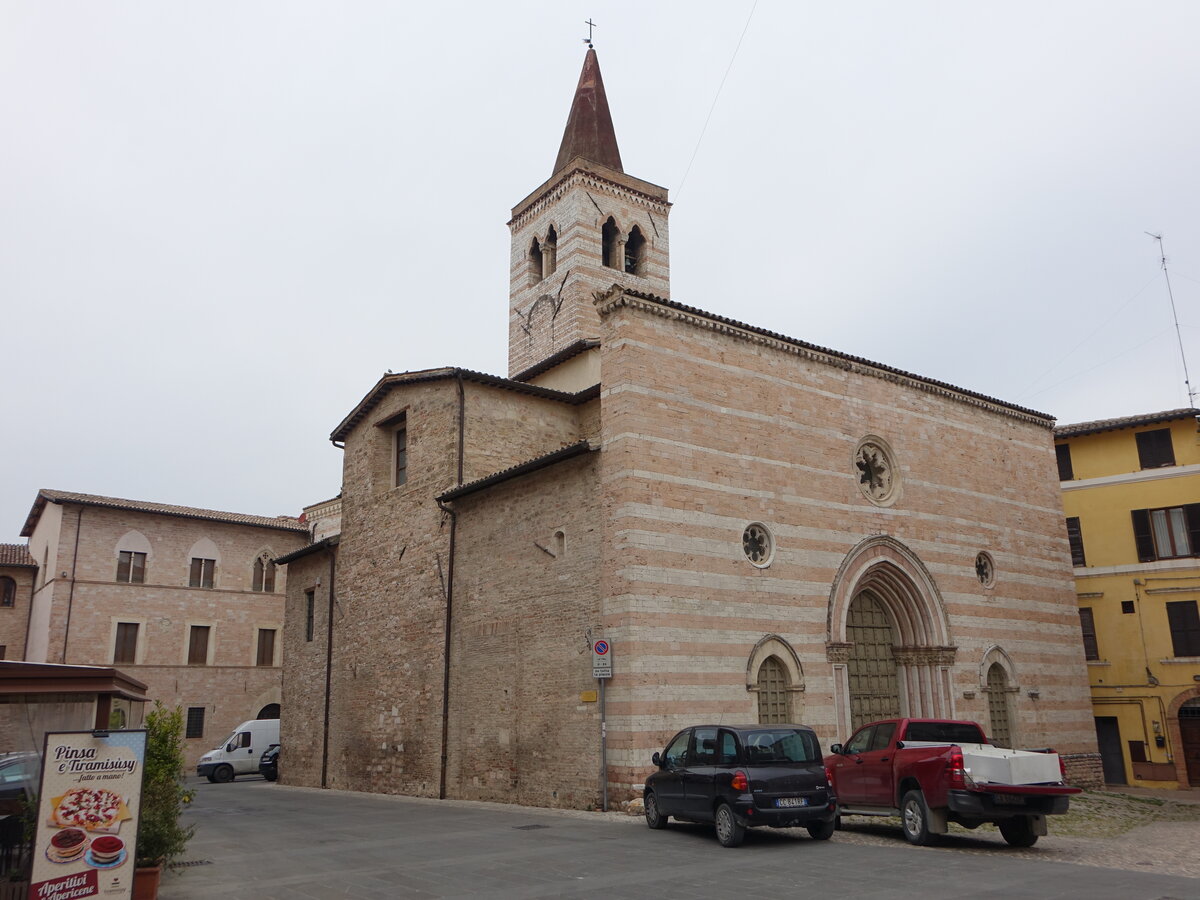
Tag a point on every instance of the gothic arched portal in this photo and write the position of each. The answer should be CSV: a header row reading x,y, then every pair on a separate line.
x,y
887,625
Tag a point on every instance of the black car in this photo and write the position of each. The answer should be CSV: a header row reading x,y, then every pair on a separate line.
x,y
268,763
742,776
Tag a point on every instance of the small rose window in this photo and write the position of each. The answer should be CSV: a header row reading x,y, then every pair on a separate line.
x,y
758,545
985,569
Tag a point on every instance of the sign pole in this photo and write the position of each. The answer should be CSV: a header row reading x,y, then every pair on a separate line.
x,y
603,749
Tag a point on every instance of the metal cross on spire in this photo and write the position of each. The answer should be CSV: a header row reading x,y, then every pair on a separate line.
x,y
590,24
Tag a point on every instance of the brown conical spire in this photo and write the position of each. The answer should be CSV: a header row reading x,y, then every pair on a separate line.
x,y
589,132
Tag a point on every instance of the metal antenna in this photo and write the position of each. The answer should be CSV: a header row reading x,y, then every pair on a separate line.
x,y
1162,254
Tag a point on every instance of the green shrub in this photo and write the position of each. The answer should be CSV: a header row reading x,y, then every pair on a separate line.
x,y
160,837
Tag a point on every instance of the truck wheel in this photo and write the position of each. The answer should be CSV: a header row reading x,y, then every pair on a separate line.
x,y
223,774
654,818
1018,832
729,830
822,831
914,819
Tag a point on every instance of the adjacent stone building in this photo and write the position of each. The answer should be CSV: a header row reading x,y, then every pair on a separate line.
x,y
17,573
762,530
186,600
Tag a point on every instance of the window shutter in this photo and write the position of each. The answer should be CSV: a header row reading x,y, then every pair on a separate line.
x,y
1192,513
1091,649
1155,449
1075,537
194,579
1142,535
1184,621
1066,471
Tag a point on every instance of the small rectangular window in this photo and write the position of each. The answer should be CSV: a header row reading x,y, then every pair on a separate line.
x,y
1154,448
1075,538
1127,607
1169,533
266,647
202,573
131,567
1183,618
1065,470
3,652
198,645
1137,751
195,722
1091,650
125,651
400,439
310,605
8,592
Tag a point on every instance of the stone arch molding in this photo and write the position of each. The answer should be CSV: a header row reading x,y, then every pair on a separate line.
x,y
997,654
135,542
773,645
896,575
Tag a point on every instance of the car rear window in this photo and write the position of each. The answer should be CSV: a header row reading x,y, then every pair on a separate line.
x,y
781,745
944,732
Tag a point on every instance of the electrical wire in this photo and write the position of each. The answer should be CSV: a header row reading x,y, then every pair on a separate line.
x,y
716,97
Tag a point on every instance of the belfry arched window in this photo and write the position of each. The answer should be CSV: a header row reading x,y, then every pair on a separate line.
x,y
536,272
550,258
635,247
609,236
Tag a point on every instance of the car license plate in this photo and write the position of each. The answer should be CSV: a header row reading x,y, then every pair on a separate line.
x,y
791,801
1009,799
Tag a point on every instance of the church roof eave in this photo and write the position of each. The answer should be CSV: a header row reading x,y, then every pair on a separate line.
x,y
616,295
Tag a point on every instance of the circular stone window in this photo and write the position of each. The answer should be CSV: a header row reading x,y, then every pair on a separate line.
x,y
985,569
758,544
878,477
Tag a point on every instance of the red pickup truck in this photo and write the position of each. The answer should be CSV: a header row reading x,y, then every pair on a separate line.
x,y
931,772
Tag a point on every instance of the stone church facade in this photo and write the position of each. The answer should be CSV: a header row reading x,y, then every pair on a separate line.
x,y
762,529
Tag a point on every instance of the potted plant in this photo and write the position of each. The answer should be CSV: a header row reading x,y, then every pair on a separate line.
x,y
160,837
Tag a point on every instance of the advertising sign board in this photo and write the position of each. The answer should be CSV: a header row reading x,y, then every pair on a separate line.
x,y
87,821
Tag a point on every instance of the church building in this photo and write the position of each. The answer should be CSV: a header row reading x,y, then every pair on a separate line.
x,y
761,530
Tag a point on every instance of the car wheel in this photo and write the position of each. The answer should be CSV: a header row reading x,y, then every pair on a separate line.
x,y
822,831
1019,831
211,778
223,774
914,819
271,777
654,818
729,830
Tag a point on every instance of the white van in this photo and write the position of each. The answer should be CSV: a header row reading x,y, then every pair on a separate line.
x,y
239,753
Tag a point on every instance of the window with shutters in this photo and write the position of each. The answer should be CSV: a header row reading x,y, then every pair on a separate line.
x,y
195,722
125,648
131,567
1184,621
264,574
1091,650
1075,538
8,592
1154,448
1168,533
266,647
198,645
1065,471
202,573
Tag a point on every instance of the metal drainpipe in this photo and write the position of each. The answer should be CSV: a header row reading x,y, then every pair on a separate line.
x,y
462,404
33,589
71,592
332,551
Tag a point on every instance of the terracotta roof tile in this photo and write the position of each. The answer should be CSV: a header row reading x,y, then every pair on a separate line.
x,y
1125,422
283,523
16,555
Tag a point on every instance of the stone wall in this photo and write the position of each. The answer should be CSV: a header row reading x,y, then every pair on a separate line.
x,y
14,619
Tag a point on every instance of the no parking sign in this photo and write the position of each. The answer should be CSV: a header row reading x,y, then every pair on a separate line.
x,y
601,659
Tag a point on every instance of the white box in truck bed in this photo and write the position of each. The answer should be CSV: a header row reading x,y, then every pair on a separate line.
x,y
996,765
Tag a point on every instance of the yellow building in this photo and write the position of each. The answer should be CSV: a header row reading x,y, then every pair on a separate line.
x,y
1131,494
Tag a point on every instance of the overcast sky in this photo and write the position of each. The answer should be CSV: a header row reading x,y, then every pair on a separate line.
x,y
221,222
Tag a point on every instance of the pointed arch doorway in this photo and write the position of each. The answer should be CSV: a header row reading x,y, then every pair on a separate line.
x,y
888,637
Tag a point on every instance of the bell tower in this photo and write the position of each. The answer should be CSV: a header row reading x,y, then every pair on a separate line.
x,y
588,227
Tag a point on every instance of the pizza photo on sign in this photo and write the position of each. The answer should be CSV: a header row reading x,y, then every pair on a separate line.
x,y
92,809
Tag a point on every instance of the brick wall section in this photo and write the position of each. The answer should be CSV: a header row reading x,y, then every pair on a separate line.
x,y
393,560
302,729
705,432
231,688
1084,770
520,656
14,619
